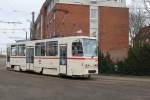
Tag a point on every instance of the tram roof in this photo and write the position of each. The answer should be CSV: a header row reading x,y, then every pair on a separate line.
x,y
53,39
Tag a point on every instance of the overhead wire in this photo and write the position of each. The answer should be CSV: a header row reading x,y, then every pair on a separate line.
x,y
14,29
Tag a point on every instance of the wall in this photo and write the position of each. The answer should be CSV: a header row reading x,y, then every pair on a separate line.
x,y
74,20
113,28
67,20
119,3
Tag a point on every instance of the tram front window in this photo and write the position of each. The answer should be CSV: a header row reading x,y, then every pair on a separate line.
x,y
86,48
77,49
90,47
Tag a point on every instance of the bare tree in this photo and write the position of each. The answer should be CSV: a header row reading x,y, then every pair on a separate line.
x,y
147,5
136,22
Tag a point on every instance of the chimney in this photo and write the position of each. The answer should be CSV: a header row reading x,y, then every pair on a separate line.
x,y
32,29
33,17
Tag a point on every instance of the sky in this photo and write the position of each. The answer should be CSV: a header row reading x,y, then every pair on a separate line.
x,y
17,11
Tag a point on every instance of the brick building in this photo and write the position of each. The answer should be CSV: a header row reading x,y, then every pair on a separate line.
x,y
143,37
105,19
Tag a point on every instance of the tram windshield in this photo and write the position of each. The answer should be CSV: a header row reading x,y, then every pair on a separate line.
x,y
86,48
90,47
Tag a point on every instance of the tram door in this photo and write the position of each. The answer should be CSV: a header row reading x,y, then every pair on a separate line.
x,y
63,59
30,58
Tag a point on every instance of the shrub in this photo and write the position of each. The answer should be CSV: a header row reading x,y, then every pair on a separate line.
x,y
137,63
105,64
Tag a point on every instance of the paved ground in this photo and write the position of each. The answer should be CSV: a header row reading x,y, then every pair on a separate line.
x,y
25,86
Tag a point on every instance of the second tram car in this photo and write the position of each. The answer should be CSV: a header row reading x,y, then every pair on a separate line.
x,y
71,56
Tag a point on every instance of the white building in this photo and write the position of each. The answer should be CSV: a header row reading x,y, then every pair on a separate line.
x,y
97,2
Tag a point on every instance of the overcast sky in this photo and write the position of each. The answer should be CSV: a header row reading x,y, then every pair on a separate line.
x,y
17,11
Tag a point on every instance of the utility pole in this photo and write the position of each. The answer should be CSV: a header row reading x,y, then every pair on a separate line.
x,y
26,35
1,51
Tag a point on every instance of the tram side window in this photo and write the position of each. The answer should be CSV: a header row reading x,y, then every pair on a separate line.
x,y
21,50
40,49
52,48
14,50
77,49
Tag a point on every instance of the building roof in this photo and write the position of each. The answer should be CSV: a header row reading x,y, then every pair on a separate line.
x,y
144,31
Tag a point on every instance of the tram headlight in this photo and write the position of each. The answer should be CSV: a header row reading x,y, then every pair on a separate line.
x,y
90,66
87,66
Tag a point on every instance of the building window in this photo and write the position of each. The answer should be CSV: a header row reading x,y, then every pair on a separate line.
x,y
40,49
50,7
77,1
93,1
21,50
77,49
93,13
93,23
14,50
94,32
52,48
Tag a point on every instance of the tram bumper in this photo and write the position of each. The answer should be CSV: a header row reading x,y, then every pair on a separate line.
x,y
91,71
91,68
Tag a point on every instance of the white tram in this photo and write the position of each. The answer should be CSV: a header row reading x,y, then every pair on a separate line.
x,y
71,56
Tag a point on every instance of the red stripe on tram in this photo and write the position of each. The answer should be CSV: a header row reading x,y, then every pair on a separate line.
x,y
44,58
68,58
59,58
82,58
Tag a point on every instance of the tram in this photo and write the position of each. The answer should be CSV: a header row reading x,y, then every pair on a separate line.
x,y
70,56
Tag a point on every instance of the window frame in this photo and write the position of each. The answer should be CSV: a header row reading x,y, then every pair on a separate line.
x,y
53,45
93,13
21,45
39,44
16,50
77,55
